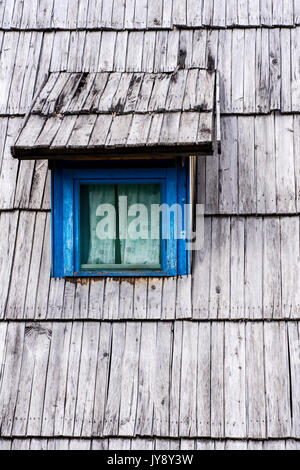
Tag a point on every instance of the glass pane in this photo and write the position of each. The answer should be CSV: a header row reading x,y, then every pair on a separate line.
x,y
115,226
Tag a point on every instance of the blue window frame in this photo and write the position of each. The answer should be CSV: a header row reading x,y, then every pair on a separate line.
x,y
67,228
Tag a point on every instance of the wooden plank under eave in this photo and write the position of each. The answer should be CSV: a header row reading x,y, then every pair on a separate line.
x,y
82,131
188,128
64,132
30,132
169,130
119,130
139,130
205,129
100,131
48,133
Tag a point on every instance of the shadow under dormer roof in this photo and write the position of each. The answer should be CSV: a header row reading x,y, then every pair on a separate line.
x,y
110,115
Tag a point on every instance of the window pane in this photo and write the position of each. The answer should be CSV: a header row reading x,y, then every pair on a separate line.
x,y
115,226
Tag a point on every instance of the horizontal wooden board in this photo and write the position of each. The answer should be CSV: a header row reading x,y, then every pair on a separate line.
x,y
248,268
141,357
119,93
137,14
258,171
150,444
258,67
66,94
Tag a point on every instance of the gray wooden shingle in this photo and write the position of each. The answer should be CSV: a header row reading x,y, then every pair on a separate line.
x,y
141,357
120,96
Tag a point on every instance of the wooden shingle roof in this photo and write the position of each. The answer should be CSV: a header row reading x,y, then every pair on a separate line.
x,y
95,113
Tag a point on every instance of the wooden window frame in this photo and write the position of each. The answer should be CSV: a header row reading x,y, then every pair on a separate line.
x,y
65,217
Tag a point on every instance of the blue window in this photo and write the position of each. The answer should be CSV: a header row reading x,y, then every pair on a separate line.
x,y
120,222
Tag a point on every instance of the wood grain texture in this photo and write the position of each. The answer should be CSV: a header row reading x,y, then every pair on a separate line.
x,y
62,400
209,361
248,269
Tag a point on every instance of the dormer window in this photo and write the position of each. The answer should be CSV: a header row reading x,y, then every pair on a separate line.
x,y
120,146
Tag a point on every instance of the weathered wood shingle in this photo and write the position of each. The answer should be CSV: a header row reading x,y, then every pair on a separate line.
x,y
188,380
143,14
114,104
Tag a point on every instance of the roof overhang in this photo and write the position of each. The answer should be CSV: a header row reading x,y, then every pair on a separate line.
x,y
122,115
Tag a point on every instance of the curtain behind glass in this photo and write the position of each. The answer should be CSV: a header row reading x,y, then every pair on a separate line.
x,y
99,251
95,251
141,251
